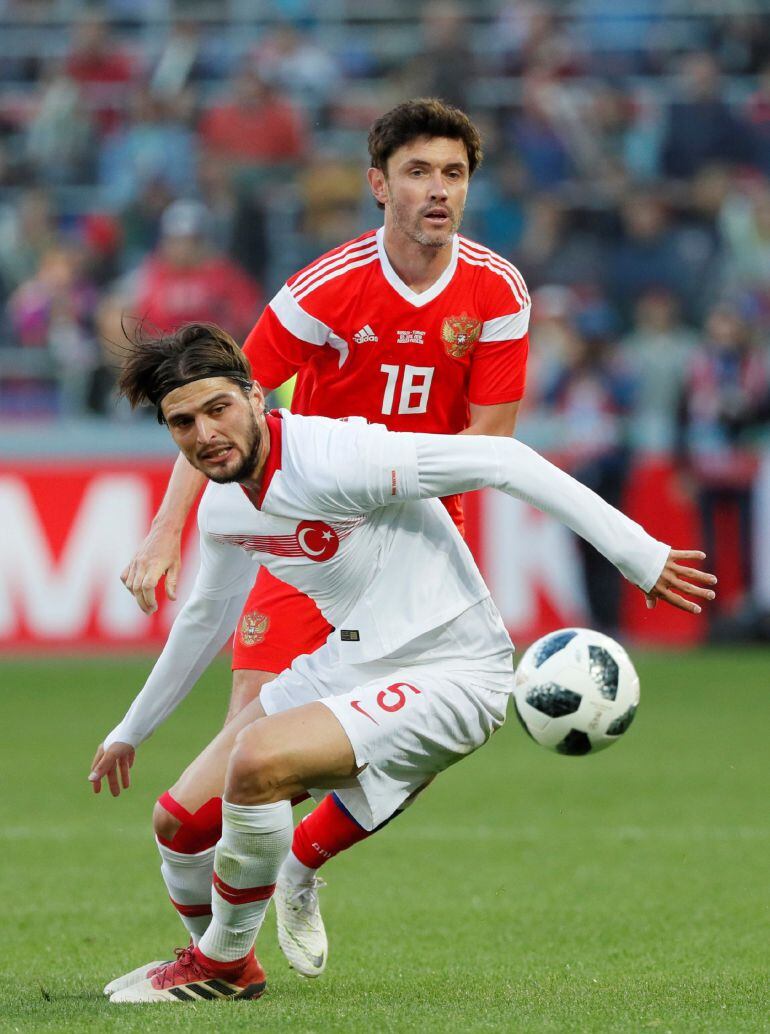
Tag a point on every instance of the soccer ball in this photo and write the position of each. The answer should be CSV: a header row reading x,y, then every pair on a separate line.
x,y
576,691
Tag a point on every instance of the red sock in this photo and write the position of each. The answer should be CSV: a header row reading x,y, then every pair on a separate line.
x,y
325,832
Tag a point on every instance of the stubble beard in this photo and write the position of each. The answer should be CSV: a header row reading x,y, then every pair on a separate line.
x,y
248,464
414,232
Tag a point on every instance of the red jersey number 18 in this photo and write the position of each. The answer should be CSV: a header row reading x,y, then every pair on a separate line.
x,y
414,391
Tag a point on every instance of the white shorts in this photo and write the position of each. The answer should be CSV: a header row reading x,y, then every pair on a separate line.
x,y
412,714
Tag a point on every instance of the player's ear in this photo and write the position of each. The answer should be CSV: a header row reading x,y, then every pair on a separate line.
x,y
378,185
257,396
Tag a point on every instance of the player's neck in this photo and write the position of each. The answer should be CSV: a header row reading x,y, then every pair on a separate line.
x,y
417,265
252,485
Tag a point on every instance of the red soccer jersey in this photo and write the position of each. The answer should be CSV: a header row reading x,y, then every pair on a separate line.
x,y
364,344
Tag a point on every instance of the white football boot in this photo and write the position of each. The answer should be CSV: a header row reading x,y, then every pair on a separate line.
x,y
141,973
301,932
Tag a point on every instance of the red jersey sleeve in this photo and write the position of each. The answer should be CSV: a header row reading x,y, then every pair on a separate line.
x,y
275,351
499,361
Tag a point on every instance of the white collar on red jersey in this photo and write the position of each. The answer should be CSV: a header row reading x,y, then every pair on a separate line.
x,y
398,284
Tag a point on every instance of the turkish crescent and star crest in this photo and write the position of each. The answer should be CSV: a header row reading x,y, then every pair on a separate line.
x,y
317,540
460,334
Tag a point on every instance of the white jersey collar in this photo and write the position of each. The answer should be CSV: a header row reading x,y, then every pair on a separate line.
x,y
395,281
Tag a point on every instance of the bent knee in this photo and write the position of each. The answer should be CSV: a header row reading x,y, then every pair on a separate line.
x,y
164,824
256,769
188,832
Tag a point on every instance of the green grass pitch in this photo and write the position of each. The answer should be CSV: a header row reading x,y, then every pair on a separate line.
x,y
524,892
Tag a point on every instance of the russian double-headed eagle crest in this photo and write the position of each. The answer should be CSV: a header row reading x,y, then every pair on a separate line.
x,y
460,334
254,628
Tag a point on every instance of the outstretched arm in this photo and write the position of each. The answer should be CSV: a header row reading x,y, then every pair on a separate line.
x,y
199,632
446,465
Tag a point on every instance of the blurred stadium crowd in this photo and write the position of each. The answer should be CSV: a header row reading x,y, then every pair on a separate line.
x,y
176,160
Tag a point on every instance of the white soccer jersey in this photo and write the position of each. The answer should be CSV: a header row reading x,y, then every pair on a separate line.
x,y
348,514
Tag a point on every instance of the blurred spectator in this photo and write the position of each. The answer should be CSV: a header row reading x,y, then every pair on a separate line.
x,y
179,61
293,63
745,223
140,221
656,353
101,68
701,127
27,231
758,115
184,280
444,64
258,126
591,398
330,190
500,222
60,136
656,252
153,145
531,35
553,251
536,137
725,401
54,308
237,223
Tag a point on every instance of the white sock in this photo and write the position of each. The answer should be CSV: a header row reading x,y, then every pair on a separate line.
x,y
188,881
295,872
255,841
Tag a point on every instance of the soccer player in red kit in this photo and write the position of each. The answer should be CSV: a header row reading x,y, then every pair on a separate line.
x,y
410,325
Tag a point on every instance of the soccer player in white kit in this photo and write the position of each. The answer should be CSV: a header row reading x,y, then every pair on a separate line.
x,y
418,670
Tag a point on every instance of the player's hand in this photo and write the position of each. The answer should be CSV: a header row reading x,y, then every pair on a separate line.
x,y
688,580
159,554
114,762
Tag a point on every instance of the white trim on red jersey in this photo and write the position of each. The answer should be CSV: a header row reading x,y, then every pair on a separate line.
x,y
506,328
477,255
398,285
329,261
331,272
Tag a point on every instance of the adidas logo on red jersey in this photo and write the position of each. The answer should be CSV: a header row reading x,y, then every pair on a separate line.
x,y
365,334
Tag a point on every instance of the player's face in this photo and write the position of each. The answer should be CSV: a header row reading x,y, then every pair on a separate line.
x,y
424,189
217,427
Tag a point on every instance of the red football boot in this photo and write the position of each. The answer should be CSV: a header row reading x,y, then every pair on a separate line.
x,y
193,978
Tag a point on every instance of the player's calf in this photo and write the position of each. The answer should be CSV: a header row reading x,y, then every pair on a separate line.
x,y
186,842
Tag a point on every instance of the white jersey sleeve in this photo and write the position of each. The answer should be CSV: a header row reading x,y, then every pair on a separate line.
x,y
201,629
463,463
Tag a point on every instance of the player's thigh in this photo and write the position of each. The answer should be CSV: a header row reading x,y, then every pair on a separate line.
x,y
300,748
204,778
278,623
247,686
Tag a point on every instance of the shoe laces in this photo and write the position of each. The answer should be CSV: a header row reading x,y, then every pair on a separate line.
x,y
185,959
304,897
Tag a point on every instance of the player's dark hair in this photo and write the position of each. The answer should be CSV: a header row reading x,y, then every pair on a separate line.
x,y
154,366
424,116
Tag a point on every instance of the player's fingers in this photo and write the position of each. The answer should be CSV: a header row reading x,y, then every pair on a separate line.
x,y
687,554
112,779
701,591
124,766
172,576
146,596
125,574
679,601
96,784
651,601
97,757
705,577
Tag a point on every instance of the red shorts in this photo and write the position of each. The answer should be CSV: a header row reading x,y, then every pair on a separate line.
x,y
278,624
